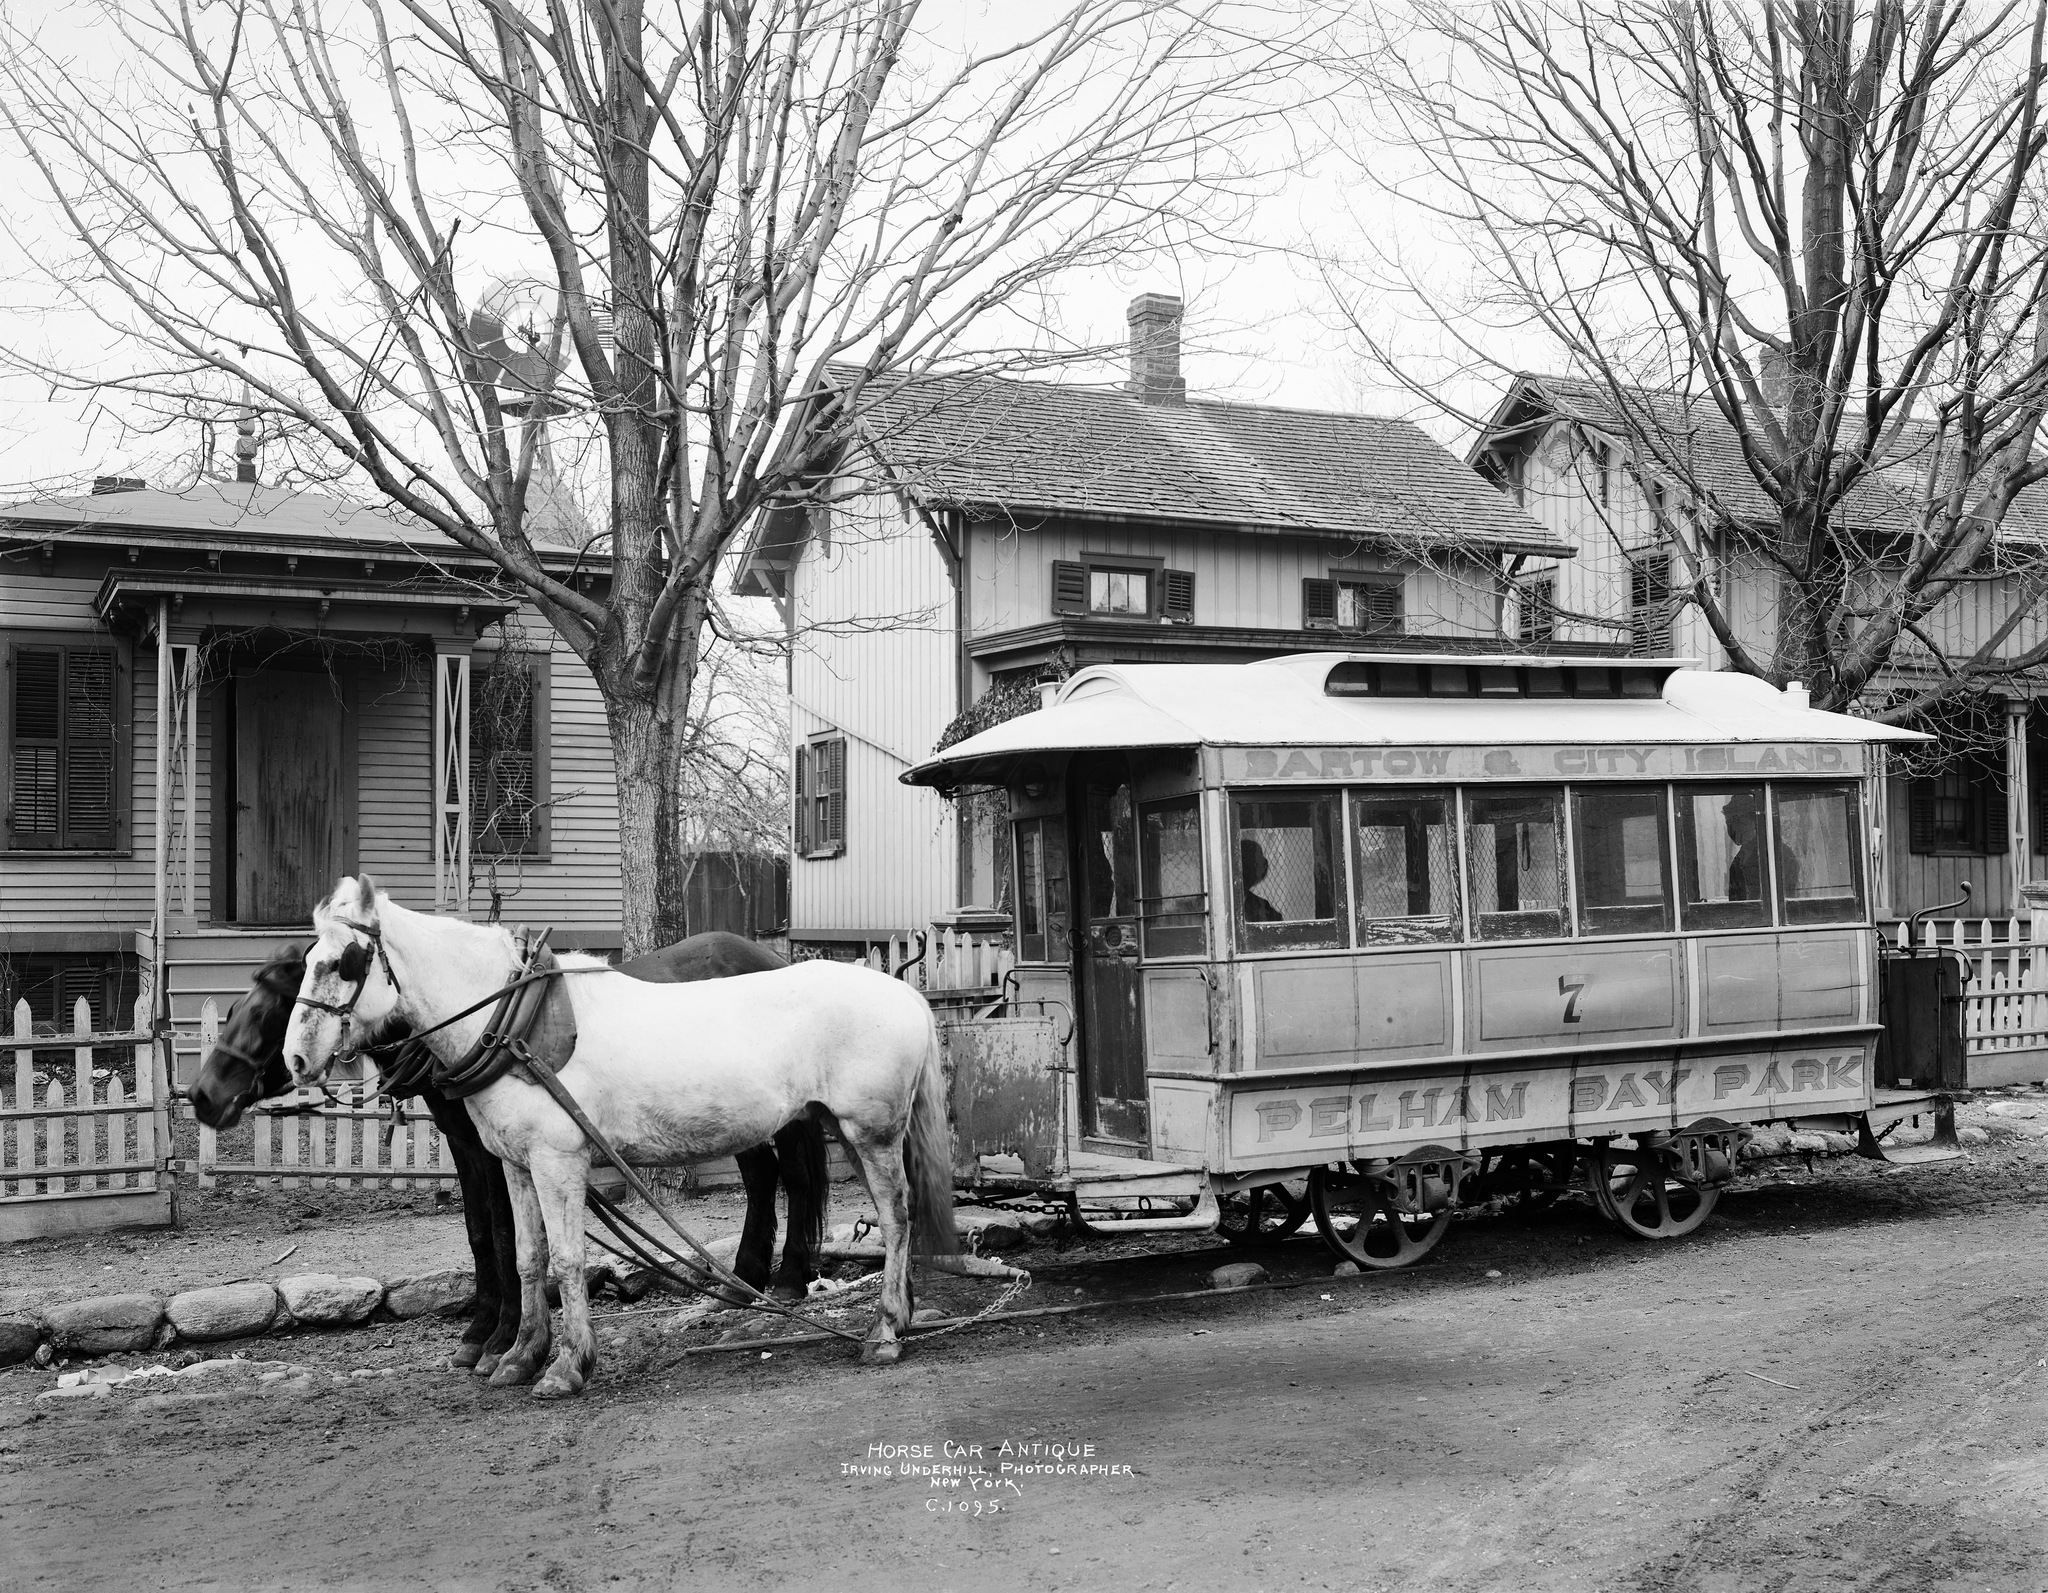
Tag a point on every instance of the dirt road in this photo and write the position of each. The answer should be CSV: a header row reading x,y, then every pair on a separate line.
x,y
1587,1419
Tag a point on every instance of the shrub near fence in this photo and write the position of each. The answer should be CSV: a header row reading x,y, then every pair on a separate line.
x,y
80,1151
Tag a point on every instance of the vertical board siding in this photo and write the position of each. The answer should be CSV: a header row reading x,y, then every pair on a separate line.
x,y
1241,580
1920,880
875,661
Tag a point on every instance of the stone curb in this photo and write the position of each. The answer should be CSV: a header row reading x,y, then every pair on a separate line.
x,y
117,1323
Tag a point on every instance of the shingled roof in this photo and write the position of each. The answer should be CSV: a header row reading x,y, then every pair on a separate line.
x,y
1001,446
1699,436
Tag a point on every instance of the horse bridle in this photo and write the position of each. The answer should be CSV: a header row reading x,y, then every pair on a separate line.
x,y
346,1011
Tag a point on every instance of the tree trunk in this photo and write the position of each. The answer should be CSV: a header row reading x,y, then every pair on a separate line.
x,y
652,877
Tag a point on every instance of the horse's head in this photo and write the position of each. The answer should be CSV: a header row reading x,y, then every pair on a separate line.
x,y
246,1063
348,988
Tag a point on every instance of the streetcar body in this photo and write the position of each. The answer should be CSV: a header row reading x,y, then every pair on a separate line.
x,y
1390,911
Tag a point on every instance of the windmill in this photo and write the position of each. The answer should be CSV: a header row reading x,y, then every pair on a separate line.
x,y
506,329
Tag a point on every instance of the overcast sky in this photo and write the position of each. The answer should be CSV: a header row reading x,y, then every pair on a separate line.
x,y
1261,327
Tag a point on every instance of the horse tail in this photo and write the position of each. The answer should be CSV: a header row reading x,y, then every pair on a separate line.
x,y
813,1176
928,1155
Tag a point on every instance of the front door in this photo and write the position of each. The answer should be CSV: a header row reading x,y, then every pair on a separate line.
x,y
1112,1018
288,802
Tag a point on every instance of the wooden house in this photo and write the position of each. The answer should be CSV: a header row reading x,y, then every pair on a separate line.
x,y
991,533
1559,448
217,701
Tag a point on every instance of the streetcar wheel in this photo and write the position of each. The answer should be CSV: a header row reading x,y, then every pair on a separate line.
x,y
1638,1190
1264,1215
1357,1219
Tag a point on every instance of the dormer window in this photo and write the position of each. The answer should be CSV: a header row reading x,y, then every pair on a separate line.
x,y
1122,587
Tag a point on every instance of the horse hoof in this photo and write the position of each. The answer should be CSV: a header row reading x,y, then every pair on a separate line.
x,y
555,1386
485,1365
510,1374
881,1354
789,1293
468,1354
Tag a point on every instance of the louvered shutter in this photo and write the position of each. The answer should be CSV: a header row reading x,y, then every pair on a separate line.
x,y
1920,816
1649,605
1177,594
1379,606
1069,587
1992,784
832,786
802,826
89,747
1318,603
38,745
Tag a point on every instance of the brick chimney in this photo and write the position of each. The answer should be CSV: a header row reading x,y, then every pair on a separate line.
x,y
1155,349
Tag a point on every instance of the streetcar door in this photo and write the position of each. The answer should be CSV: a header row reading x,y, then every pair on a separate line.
x,y
1105,831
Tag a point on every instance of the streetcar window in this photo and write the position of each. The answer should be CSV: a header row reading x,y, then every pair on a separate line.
x,y
1515,861
1287,879
1820,880
1721,868
1405,867
1621,849
1172,904
1042,901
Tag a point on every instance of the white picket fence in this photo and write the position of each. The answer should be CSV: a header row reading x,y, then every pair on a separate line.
x,y
349,1142
85,1136
2005,1002
953,960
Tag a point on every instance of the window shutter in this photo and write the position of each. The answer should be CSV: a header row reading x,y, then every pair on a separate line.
x,y
832,785
801,829
89,747
1649,605
38,743
1177,594
1920,816
1992,784
1380,606
1318,603
1069,587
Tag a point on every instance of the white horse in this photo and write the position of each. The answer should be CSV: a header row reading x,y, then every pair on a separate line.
x,y
665,1072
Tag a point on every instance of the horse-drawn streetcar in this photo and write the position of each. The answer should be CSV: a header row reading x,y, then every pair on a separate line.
x,y
1366,936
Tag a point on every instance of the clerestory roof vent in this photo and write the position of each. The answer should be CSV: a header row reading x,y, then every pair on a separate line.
x,y
1643,678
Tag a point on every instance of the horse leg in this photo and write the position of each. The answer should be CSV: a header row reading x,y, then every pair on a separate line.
x,y
881,1162
800,1155
757,1238
475,1168
559,1181
505,1247
530,1346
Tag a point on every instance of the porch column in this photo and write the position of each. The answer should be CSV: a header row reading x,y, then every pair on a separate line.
x,y
2018,796
1880,833
159,994
451,776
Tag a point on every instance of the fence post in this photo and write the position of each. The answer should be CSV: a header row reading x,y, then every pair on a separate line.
x,y
146,1099
24,1098
209,1032
82,1132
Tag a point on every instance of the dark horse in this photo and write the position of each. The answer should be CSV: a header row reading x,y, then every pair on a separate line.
x,y
247,1065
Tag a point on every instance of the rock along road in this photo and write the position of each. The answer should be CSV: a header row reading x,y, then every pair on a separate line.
x,y
1842,1382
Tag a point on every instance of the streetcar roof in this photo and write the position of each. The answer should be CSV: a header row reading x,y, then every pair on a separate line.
x,y
1293,702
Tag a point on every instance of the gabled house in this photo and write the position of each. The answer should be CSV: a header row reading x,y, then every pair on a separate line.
x,y
992,533
1559,448
214,702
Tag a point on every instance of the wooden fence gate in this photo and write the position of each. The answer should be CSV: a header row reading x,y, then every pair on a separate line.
x,y
89,1151
2005,1000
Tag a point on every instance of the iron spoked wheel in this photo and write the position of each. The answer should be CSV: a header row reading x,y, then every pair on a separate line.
x,y
1264,1215
1638,1190
1357,1219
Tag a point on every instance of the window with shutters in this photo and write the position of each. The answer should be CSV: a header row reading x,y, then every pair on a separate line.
x,y
66,735
1361,604
1536,616
1123,588
1960,808
53,983
508,754
820,789
1649,605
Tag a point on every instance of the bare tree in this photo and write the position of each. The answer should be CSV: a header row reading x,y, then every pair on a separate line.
x,y
739,223
1799,251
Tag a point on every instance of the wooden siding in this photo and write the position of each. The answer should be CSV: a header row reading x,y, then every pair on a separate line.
x,y
886,681
576,888
1920,880
1240,580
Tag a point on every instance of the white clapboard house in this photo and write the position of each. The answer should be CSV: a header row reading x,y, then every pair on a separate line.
x,y
991,533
